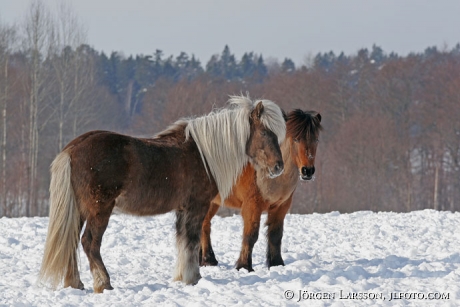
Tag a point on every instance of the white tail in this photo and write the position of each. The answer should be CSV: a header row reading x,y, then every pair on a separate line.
x,y
63,237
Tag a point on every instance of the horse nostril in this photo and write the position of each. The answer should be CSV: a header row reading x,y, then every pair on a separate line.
x,y
308,171
304,171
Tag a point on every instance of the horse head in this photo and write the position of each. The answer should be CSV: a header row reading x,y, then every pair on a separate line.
x,y
262,146
303,129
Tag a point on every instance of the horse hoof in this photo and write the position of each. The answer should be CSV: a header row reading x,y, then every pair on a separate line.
x,y
101,289
244,266
81,286
78,285
209,262
193,281
276,262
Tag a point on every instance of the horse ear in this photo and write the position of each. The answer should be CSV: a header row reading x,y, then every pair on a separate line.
x,y
285,116
257,112
319,117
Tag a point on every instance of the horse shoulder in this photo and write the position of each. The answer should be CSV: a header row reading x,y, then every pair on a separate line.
x,y
244,187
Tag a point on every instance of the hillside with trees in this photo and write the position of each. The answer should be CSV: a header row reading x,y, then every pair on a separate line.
x,y
392,131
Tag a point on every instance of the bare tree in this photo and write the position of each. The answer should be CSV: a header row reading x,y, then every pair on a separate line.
x,y
37,44
7,39
72,71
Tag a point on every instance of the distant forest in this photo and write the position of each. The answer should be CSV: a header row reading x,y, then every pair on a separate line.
x,y
392,131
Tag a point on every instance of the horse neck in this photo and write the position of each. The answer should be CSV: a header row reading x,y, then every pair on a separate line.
x,y
278,189
286,151
173,134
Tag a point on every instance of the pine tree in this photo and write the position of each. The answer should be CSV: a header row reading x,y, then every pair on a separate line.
x,y
288,66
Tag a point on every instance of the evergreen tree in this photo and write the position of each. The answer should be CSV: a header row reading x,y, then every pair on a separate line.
x,y
228,64
377,54
194,67
186,67
169,69
288,66
108,69
157,64
213,67
224,66
430,52
247,66
362,58
325,61
261,69
144,71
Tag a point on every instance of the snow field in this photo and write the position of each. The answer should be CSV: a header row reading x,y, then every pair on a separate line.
x,y
358,259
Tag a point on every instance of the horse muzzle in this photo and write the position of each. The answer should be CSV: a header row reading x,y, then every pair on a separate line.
x,y
306,173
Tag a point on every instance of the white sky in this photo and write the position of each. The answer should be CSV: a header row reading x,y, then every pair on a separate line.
x,y
276,29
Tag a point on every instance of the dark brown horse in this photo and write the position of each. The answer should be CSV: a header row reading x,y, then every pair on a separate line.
x,y
255,193
182,168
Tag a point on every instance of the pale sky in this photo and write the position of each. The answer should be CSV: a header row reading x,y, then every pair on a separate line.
x,y
278,29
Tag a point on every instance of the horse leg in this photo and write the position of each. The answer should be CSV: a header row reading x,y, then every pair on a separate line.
x,y
207,256
188,231
251,213
72,277
275,223
96,224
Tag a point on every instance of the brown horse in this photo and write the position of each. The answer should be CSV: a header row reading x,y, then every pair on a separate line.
x,y
182,168
254,193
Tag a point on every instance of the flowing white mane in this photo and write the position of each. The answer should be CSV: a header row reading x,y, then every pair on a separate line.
x,y
221,138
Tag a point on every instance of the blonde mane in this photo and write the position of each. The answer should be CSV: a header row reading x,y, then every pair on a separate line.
x,y
221,138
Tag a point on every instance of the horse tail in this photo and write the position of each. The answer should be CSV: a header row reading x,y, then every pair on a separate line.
x,y
64,225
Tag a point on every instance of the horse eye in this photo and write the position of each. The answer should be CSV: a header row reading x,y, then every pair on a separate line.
x,y
296,140
317,141
263,133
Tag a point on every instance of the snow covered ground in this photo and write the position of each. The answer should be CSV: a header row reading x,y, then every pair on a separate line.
x,y
333,259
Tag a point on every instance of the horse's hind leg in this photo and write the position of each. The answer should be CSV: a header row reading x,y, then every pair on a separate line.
x,y
72,278
275,224
96,224
207,256
188,231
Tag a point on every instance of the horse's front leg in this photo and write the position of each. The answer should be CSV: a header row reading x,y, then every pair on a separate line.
x,y
207,257
275,224
251,213
188,232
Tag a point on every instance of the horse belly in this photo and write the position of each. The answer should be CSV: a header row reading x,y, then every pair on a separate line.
x,y
153,201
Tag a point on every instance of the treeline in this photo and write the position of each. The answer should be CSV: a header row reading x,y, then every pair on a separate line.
x,y
392,128
130,78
